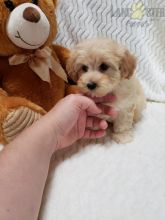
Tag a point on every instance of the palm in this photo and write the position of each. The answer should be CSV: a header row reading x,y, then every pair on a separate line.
x,y
76,131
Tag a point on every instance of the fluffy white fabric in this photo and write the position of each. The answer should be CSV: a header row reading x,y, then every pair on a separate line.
x,y
140,25
107,181
110,181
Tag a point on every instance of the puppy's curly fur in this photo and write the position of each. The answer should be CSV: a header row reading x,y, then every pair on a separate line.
x,y
102,66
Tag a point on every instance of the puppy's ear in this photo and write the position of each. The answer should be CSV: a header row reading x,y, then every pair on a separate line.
x,y
70,67
55,3
127,65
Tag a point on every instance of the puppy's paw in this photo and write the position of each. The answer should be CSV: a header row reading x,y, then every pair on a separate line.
x,y
123,138
17,120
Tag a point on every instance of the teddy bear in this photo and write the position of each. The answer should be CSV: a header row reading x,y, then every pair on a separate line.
x,y
32,69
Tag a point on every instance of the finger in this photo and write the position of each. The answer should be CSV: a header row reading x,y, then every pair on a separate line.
x,y
96,123
103,125
85,103
107,98
94,134
108,110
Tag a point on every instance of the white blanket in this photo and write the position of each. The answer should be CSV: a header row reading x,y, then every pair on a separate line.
x,y
110,181
107,181
139,26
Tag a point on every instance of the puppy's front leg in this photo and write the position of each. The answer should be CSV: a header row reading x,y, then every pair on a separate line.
x,y
122,126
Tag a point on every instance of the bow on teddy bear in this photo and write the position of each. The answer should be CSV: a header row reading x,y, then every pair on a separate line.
x,y
32,76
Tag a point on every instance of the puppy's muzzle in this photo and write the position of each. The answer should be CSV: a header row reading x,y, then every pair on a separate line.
x,y
91,85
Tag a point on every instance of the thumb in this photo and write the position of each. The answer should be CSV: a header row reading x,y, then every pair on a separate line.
x,y
89,105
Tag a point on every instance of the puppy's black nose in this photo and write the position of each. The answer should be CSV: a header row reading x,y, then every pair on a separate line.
x,y
31,14
91,85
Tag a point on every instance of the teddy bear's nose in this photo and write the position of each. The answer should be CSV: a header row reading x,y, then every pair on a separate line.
x,y
31,14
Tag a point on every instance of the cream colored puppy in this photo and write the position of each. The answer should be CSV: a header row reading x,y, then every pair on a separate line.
x,y
102,66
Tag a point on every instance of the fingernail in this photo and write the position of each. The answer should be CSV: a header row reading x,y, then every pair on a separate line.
x,y
113,112
104,125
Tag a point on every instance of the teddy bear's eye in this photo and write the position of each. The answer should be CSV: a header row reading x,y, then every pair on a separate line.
x,y
9,4
35,2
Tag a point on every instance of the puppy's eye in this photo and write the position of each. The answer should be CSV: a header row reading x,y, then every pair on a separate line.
x,y
9,4
84,68
35,2
103,67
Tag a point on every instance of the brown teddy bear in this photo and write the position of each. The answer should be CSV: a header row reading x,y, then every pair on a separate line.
x,y
32,79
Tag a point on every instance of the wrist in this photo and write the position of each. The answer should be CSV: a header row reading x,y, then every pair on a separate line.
x,y
40,138
47,133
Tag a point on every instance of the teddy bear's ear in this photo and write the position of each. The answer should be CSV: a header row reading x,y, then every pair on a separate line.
x,y
128,65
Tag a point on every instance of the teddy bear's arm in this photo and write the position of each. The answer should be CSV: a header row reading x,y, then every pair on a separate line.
x,y
15,115
2,93
71,89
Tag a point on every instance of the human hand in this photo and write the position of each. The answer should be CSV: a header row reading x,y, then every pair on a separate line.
x,y
107,110
73,118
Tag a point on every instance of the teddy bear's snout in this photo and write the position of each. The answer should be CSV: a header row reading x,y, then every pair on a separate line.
x,y
31,14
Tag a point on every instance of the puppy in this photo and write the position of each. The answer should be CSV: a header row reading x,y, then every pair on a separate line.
x,y
102,66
